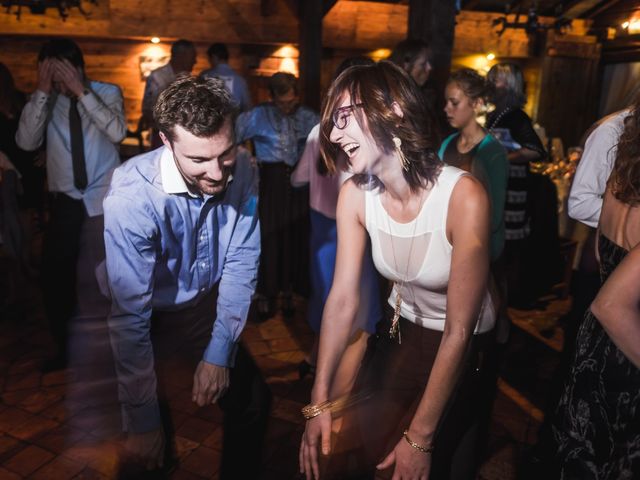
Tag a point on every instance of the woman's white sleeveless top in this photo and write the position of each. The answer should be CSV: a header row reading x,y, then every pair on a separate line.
x,y
417,255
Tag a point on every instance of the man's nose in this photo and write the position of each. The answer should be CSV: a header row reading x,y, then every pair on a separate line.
x,y
214,171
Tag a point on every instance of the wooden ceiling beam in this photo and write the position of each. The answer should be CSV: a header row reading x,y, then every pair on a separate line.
x,y
605,6
327,5
577,8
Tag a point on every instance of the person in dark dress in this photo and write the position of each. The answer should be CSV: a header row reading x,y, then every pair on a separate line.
x,y
597,422
31,172
513,127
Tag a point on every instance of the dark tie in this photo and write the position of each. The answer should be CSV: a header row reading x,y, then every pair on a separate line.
x,y
77,146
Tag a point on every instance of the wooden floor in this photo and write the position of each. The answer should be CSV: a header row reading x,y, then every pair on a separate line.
x,y
65,425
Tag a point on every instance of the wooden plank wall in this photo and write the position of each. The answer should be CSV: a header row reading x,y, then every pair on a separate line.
x,y
114,61
117,33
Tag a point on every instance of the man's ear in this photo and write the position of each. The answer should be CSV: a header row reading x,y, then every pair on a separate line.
x,y
397,110
166,141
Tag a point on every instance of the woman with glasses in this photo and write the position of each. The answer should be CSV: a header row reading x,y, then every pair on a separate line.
x,y
428,224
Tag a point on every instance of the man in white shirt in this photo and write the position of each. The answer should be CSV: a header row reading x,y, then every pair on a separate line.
x,y
82,122
183,58
590,181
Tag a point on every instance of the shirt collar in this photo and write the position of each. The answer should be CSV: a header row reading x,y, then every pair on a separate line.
x,y
172,180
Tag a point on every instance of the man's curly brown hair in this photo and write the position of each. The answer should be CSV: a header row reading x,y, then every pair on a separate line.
x,y
199,105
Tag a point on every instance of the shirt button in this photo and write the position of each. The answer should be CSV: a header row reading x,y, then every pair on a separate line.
x,y
202,237
203,264
202,289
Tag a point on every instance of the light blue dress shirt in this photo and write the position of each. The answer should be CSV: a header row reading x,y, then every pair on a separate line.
x,y
236,85
166,249
276,137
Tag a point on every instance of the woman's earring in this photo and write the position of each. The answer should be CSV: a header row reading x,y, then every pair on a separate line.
x,y
403,160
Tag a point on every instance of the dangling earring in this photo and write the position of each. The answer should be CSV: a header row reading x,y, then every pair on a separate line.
x,y
403,160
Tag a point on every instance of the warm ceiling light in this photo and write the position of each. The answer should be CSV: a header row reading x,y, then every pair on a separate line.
x,y
634,26
491,56
155,40
288,51
625,25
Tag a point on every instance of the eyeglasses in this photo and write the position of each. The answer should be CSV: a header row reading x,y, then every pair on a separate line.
x,y
341,115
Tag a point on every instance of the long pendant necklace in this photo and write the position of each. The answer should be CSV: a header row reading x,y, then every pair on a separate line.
x,y
395,322
498,118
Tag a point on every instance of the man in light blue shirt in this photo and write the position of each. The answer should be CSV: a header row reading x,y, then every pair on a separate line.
x,y
183,241
80,162
279,132
218,58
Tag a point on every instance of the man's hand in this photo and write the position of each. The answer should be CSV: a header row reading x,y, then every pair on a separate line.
x,y
45,75
71,76
146,448
210,382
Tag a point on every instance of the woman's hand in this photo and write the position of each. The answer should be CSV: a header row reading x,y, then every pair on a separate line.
x,y
317,429
411,464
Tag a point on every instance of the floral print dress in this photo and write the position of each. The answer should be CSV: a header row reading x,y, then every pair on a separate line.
x,y
597,424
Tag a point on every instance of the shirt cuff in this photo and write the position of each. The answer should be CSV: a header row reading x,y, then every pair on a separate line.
x,y
221,352
142,419
88,100
40,98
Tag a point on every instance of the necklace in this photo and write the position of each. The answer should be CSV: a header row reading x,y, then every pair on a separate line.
x,y
466,157
499,117
395,322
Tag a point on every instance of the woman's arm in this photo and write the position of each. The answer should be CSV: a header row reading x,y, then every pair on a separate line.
x,y
301,176
617,306
468,229
337,319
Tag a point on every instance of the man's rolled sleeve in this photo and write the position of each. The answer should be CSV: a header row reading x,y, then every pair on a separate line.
x,y
33,120
107,112
239,276
590,181
130,258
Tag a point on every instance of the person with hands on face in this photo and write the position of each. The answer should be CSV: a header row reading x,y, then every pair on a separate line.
x,y
183,241
429,229
83,123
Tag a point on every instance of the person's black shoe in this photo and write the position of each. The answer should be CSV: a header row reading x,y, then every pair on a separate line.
x,y
265,309
305,368
55,364
288,306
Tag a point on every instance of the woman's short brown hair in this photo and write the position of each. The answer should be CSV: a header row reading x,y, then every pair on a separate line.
x,y
625,177
376,88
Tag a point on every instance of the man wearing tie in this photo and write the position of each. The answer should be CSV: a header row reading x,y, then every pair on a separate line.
x,y
81,122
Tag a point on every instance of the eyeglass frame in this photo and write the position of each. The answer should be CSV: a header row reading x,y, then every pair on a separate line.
x,y
347,108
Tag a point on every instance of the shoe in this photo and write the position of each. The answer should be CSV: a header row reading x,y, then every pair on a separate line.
x,y
305,368
265,308
55,364
288,306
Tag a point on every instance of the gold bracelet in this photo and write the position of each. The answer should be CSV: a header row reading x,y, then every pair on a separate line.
x,y
334,406
420,448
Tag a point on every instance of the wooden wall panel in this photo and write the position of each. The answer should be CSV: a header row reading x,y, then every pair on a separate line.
x,y
115,61
115,34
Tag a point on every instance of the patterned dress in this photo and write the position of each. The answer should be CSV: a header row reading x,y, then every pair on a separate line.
x,y
597,425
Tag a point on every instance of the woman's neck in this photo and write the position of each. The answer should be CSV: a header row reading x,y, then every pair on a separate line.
x,y
471,134
391,175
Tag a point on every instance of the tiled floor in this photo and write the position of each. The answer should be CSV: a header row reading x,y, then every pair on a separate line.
x,y
64,425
